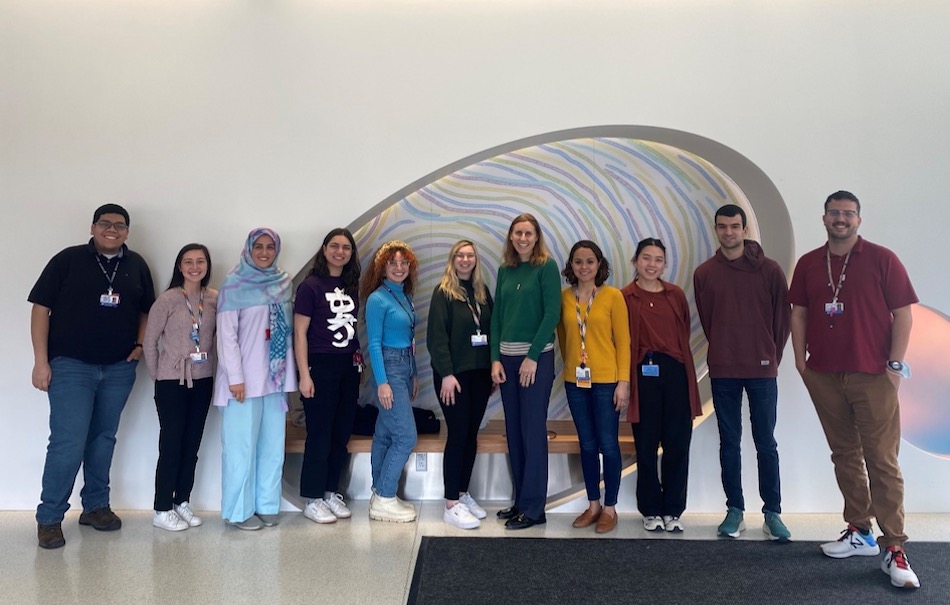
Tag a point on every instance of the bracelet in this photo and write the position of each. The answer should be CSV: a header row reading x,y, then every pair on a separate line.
x,y
137,345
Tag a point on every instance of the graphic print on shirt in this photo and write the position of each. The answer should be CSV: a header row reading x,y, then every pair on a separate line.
x,y
342,324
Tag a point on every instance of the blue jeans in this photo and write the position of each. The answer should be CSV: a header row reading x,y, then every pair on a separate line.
x,y
85,403
763,400
597,425
395,434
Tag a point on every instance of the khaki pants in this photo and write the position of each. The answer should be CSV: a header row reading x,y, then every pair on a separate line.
x,y
860,415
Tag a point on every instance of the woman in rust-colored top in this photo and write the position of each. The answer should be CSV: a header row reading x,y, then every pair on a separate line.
x,y
664,398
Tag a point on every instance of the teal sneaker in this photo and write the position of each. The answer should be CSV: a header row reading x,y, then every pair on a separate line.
x,y
733,524
775,529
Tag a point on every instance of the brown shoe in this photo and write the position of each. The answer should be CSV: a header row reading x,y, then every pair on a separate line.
x,y
587,518
50,535
102,519
607,522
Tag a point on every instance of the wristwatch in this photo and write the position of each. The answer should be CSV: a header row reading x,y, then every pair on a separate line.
x,y
898,367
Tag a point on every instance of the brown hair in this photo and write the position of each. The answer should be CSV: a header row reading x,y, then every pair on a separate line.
x,y
540,253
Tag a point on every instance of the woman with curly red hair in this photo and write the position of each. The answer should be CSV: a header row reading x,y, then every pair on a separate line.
x,y
390,327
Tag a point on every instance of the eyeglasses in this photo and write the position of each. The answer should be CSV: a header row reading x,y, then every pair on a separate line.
x,y
465,256
844,213
395,264
106,225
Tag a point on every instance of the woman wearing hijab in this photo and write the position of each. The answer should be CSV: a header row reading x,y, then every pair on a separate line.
x,y
255,371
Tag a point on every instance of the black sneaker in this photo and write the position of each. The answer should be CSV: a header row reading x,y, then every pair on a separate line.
x,y
50,535
102,519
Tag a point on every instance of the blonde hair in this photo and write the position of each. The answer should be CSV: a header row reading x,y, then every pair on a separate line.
x,y
450,284
374,277
540,252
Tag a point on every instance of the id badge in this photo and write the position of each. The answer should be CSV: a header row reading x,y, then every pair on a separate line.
x,y
479,340
832,309
358,361
648,369
583,377
109,300
199,357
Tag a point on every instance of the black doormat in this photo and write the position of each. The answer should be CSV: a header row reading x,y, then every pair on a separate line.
x,y
526,571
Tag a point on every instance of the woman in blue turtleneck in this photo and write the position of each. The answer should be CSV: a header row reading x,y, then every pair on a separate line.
x,y
390,325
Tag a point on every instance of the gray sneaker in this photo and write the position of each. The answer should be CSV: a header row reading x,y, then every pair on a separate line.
x,y
775,529
733,524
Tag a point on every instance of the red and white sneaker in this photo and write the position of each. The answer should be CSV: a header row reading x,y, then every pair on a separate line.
x,y
896,565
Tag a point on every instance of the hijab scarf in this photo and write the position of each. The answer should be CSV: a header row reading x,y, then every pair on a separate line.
x,y
247,285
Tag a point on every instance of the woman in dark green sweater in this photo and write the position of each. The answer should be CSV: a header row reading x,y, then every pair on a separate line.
x,y
457,337
527,310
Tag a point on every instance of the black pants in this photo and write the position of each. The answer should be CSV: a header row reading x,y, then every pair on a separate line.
x,y
181,415
462,420
665,420
330,414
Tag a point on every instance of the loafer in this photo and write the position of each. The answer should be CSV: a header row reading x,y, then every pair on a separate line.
x,y
50,535
523,522
509,513
587,518
606,523
102,519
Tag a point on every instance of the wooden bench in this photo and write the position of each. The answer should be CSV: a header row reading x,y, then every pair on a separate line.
x,y
491,439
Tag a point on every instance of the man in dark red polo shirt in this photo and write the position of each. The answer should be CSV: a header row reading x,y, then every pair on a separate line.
x,y
851,315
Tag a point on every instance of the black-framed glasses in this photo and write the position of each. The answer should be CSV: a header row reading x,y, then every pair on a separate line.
x,y
844,213
106,225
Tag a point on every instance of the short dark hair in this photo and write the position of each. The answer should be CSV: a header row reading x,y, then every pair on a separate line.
x,y
110,209
729,211
842,195
178,278
603,271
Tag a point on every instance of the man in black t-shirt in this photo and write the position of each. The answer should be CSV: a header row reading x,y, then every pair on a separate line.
x,y
90,306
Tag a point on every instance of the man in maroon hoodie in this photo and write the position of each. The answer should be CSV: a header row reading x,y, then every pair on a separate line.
x,y
742,299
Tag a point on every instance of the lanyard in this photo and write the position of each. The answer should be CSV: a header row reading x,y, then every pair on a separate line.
x,y
109,278
582,325
195,321
476,313
411,312
836,289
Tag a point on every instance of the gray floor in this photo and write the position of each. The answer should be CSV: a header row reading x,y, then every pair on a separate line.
x,y
350,562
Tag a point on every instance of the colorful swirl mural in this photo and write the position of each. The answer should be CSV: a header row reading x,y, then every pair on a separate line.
x,y
615,191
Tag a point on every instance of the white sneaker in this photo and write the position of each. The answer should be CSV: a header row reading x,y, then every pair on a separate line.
x,y
392,510
169,519
653,523
187,515
460,517
896,565
338,507
852,542
671,523
472,506
319,512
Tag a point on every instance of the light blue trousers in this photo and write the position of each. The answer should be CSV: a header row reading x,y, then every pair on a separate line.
x,y
252,456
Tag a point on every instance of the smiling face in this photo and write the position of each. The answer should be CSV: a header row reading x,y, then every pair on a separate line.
x,y
524,238
109,240
730,232
264,251
585,265
397,268
194,267
338,252
650,264
464,262
845,225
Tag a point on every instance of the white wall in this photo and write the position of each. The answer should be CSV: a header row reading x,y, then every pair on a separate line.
x,y
206,118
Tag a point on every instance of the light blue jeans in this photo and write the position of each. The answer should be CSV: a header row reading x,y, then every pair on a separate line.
x,y
252,456
395,434
85,403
